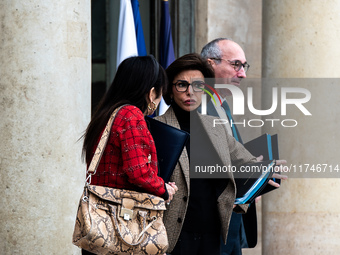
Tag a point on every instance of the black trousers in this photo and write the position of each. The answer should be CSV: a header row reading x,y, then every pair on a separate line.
x,y
233,246
197,244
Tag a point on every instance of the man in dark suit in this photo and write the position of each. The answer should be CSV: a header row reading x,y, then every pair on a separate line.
x,y
230,66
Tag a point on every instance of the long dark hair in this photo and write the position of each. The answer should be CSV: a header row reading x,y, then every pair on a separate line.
x,y
191,61
131,85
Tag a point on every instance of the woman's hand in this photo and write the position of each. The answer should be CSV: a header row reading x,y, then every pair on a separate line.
x,y
171,188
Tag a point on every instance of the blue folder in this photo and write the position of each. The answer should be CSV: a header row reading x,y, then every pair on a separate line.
x,y
250,184
266,145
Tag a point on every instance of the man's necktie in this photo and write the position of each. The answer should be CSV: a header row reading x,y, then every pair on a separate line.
x,y
233,127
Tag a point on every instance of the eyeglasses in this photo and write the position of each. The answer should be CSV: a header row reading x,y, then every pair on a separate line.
x,y
237,64
182,86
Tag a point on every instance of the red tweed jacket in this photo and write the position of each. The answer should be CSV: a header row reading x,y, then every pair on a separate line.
x,y
130,160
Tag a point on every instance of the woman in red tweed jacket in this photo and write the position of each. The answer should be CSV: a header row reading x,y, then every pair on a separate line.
x,y
129,160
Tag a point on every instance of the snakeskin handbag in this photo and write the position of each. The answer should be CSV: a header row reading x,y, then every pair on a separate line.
x,y
118,221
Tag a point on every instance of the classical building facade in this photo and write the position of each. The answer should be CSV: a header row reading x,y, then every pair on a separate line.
x,y
45,105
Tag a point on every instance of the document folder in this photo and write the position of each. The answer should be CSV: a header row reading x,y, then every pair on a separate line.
x,y
256,177
266,145
169,142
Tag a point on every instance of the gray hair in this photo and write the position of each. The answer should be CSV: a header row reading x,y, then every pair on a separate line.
x,y
212,50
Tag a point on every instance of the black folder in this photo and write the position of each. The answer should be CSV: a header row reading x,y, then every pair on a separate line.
x,y
254,180
266,145
169,142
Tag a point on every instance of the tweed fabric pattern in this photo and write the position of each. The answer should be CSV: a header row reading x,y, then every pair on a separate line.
x,y
230,152
129,159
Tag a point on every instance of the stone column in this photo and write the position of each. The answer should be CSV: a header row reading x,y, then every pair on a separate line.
x,y
45,79
300,40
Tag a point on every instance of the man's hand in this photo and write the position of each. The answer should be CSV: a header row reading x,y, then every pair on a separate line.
x,y
278,168
259,158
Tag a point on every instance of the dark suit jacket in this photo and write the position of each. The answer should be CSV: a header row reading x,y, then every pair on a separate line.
x,y
227,147
249,218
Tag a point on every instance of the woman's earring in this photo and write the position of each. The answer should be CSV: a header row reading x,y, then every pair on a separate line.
x,y
153,108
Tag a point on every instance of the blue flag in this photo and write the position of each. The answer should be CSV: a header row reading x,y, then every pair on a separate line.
x,y
166,47
139,28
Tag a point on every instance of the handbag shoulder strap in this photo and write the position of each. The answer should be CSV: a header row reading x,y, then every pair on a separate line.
x,y
102,144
